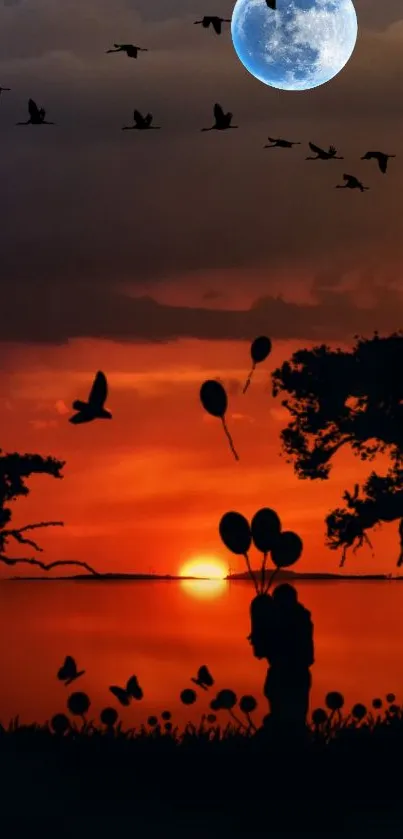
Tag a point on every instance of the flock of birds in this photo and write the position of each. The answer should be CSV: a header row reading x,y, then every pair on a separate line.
x,y
351,182
222,119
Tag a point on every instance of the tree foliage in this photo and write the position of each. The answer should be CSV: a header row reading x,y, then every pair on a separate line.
x,y
337,398
15,469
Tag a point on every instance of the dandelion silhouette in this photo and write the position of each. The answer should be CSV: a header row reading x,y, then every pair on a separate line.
x,y
359,711
214,705
78,704
334,701
260,349
204,678
68,671
131,691
108,717
226,700
236,534
377,704
166,715
319,717
152,721
247,705
60,724
214,400
390,697
188,696
211,718
168,726
265,529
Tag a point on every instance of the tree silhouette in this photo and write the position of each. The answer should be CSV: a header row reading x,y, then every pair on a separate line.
x,y
338,397
14,470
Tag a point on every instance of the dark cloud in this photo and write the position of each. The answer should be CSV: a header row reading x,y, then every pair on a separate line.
x,y
334,315
88,210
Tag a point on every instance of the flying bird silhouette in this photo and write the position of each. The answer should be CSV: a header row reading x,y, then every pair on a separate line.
x,y
130,50
94,408
214,21
281,144
68,672
131,691
4,88
322,154
222,120
351,183
36,115
380,157
204,678
140,122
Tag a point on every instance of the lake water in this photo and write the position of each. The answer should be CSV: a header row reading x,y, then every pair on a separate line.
x,y
163,631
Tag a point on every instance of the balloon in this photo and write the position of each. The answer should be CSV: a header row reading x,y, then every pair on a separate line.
x,y
287,549
214,400
235,533
260,349
266,528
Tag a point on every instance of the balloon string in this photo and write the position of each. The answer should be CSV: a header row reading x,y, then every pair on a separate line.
x,y
264,570
229,438
249,379
251,572
272,576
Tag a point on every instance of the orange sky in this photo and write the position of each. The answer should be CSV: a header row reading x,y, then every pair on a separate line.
x,y
147,490
133,254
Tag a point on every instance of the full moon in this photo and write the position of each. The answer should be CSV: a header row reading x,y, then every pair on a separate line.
x,y
300,45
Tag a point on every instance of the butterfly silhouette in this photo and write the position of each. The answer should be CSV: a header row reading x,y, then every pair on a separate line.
x,y
131,691
68,671
204,678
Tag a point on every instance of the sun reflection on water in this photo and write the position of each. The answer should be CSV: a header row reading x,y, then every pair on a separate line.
x,y
204,588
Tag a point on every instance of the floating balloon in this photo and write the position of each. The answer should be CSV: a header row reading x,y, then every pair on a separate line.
x,y
237,537
260,349
214,400
287,549
266,527
235,533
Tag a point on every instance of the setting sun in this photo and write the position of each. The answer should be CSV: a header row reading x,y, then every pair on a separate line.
x,y
207,568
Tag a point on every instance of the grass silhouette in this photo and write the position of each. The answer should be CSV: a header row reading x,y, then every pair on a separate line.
x,y
229,767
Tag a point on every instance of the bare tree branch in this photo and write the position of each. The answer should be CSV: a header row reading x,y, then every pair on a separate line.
x,y
9,561
15,533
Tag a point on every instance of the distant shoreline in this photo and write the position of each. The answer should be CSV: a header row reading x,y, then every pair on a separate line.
x,y
283,576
